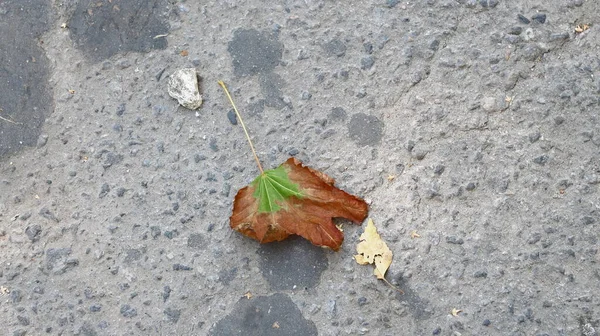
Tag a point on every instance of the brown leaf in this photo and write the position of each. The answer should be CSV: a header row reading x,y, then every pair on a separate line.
x,y
300,201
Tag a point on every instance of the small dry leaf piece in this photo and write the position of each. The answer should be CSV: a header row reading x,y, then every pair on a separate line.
x,y
373,250
293,199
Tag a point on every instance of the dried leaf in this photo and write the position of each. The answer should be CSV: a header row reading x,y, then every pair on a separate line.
x,y
294,199
373,250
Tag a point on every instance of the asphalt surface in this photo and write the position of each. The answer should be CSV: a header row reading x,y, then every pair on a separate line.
x,y
470,127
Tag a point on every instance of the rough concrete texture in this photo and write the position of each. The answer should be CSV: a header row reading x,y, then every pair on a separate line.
x,y
472,123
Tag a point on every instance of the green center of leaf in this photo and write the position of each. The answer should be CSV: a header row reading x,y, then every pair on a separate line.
x,y
272,188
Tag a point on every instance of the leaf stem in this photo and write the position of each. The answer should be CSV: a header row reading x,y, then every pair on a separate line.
x,y
243,125
393,287
8,120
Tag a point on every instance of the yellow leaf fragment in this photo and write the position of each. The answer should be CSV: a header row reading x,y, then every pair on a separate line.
x,y
373,250
275,325
581,28
248,295
455,312
414,234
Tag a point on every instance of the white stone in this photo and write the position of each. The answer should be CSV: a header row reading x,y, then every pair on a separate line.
x,y
183,86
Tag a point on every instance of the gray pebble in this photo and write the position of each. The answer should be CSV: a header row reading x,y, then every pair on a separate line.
x,y
121,109
180,267
367,62
121,191
523,19
293,152
516,30
112,159
588,220
328,133
559,120
172,314
166,293
171,234
42,140
155,232
454,240
95,308
128,311
439,170
200,157
365,130
541,160
399,168
16,295
23,320
486,322
104,190
534,137
420,154
534,238
232,119
213,145
33,232
46,213
124,64
335,47
559,36
541,18
480,274
338,114
391,3
196,240
331,309
306,95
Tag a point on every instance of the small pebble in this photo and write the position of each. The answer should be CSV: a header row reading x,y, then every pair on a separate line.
x,y
523,19
367,62
121,109
541,18
516,30
480,274
541,160
454,240
232,119
104,190
362,301
486,322
128,311
180,267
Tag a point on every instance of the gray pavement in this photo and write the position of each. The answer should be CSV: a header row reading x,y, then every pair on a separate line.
x,y
470,127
